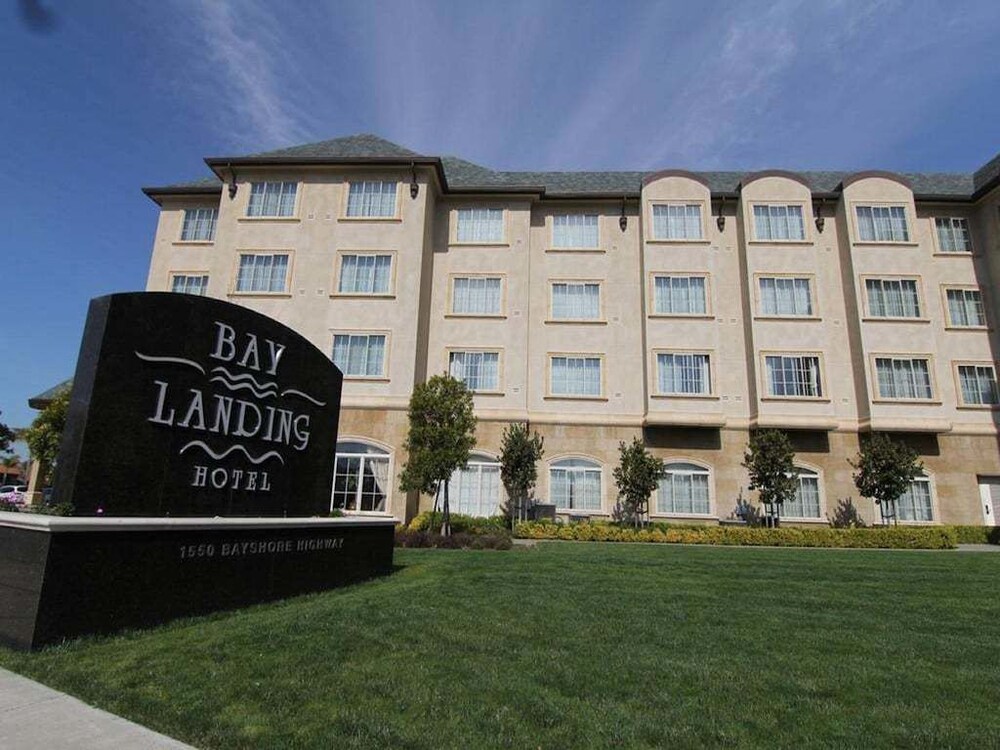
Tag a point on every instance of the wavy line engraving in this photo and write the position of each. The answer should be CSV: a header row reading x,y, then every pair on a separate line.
x,y
245,376
219,456
306,396
174,360
242,386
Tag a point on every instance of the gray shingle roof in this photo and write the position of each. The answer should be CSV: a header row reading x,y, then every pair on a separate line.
x,y
465,175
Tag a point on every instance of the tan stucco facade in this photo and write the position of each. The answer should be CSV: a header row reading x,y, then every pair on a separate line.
x,y
957,442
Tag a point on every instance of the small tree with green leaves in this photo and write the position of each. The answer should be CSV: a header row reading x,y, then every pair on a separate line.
x,y
519,456
637,475
7,438
770,461
883,471
442,433
45,434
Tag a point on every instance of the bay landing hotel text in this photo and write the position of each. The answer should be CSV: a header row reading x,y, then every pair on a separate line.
x,y
685,308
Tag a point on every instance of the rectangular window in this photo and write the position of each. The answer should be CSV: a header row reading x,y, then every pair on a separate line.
x,y
680,295
683,374
372,198
475,489
683,489
273,199
575,488
262,272
882,224
978,384
576,301
778,223
965,308
892,298
575,376
953,235
785,296
480,371
480,225
903,378
677,221
575,231
199,224
915,502
476,295
805,504
364,274
359,355
793,376
189,284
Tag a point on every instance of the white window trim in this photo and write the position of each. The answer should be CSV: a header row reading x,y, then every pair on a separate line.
x,y
450,302
384,376
821,493
876,396
597,466
346,195
499,351
759,301
574,249
655,498
949,323
388,453
504,240
907,215
765,384
709,313
248,189
704,210
712,394
939,251
601,319
574,397
959,399
339,267
173,274
807,238
290,274
868,317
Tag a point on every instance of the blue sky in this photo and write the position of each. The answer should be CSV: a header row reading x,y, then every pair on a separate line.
x,y
117,95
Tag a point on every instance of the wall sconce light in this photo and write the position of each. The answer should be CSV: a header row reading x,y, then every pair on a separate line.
x,y
232,183
720,220
623,219
414,187
820,221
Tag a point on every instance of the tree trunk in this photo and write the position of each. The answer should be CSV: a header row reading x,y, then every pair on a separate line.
x,y
437,495
446,521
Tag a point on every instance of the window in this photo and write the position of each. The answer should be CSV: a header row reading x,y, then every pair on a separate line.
x,y
359,355
805,504
915,503
575,231
480,371
677,222
264,272
785,296
778,223
199,224
683,489
965,308
683,374
575,376
189,284
892,298
272,199
978,385
575,484
480,225
903,378
360,478
679,295
476,295
576,301
793,376
882,224
474,490
364,274
372,199
953,235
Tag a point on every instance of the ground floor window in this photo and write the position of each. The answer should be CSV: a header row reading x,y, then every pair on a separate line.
x,y
474,490
360,478
915,503
575,484
805,504
684,489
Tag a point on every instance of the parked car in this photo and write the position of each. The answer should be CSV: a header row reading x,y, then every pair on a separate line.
x,y
13,494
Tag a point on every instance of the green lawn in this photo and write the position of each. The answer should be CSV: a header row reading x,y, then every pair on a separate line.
x,y
578,645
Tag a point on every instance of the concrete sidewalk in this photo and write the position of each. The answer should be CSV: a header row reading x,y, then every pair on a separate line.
x,y
34,717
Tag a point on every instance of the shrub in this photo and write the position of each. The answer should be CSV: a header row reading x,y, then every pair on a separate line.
x,y
904,537
464,524
457,540
977,534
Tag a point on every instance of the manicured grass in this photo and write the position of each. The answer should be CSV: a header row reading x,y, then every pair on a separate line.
x,y
578,645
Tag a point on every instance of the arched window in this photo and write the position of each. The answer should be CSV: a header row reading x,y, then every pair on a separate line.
x,y
575,484
684,489
806,501
475,488
915,503
360,477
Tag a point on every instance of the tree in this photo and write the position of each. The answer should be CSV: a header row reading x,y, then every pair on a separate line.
x,y
883,471
442,433
45,434
519,454
770,461
637,475
9,466
7,437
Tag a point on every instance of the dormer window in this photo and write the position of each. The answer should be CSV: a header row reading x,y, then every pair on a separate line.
x,y
778,223
882,224
677,221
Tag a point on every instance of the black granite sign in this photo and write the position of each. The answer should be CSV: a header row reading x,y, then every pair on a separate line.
x,y
190,406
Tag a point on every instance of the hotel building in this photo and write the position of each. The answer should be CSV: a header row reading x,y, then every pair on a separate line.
x,y
684,308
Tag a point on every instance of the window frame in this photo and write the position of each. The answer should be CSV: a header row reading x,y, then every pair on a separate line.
x,y
455,213
287,292
573,249
812,471
480,459
171,275
248,189
499,351
338,269
951,325
867,315
215,226
703,211
907,216
925,476
806,234
654,510
759,298
450,301
596,465
346,197
387,453
939,250
959,399
651,312
765,382
876,395
383,377
655,375
549,395
601,318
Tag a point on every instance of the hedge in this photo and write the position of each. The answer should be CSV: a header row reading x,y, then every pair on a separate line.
x,y
458,540
461,524
977,534
903,537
